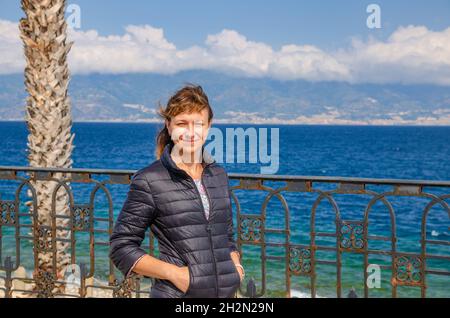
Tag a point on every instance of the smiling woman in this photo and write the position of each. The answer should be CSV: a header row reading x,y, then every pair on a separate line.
x,y
184,197
188,118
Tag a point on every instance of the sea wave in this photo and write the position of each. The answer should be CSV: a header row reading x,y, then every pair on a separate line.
x,y
438,234
300,294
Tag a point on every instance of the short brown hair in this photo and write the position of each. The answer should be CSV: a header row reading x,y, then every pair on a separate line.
x,y
189,99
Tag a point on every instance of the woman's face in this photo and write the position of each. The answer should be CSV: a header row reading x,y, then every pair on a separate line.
x,y
189,131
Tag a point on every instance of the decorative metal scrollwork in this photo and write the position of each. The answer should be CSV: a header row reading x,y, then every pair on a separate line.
x,y
81,217
251,228
44,239
7,213
45,284
351,235
123,290
407,269
300,261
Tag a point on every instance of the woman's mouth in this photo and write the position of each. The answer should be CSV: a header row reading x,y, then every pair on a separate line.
x,y
189,141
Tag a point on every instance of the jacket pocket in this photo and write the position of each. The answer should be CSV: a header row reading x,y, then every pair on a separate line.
x,y
163,290
191,281
237,282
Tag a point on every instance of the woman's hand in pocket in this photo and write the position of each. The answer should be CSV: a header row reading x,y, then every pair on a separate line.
x,y
240,272
181,278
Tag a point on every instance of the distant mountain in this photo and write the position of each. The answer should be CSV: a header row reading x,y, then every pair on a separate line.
x,y
134,97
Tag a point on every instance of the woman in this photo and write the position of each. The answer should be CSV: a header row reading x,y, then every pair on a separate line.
x,y
184,198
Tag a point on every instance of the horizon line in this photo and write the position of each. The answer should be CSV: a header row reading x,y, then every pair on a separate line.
x,y
245,123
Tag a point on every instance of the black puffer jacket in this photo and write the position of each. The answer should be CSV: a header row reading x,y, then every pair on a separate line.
x,y
165,198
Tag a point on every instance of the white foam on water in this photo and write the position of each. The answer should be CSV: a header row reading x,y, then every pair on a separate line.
x,y
299,294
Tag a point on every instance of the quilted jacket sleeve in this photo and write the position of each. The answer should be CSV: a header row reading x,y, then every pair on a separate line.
x,y
231,240
132,223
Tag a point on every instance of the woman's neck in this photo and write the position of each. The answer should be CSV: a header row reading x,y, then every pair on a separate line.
x,y
194,169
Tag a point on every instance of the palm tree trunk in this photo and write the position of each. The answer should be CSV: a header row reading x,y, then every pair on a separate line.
x,y
48,117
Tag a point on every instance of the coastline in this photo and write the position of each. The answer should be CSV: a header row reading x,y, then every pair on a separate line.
x,y
230,122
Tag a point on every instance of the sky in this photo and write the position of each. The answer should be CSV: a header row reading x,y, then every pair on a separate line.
x,y
283,39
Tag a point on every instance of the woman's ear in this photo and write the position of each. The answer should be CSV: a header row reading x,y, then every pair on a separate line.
x,y
167,124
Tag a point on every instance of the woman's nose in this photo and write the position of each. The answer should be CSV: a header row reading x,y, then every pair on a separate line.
x,y
190,132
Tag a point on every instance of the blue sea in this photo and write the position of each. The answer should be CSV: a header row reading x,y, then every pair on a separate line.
x,y
399,152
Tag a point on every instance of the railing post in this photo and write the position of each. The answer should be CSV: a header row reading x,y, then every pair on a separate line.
x,y
251,289
8,278
352,293
83,270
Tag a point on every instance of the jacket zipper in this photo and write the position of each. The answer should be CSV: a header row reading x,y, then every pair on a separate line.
x,y
208,225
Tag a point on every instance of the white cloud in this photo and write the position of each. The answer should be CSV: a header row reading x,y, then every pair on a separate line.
x,y
307,62
140,49
11,56
411,54
229,50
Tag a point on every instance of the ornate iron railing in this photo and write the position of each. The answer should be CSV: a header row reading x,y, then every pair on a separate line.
x,y
294,237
